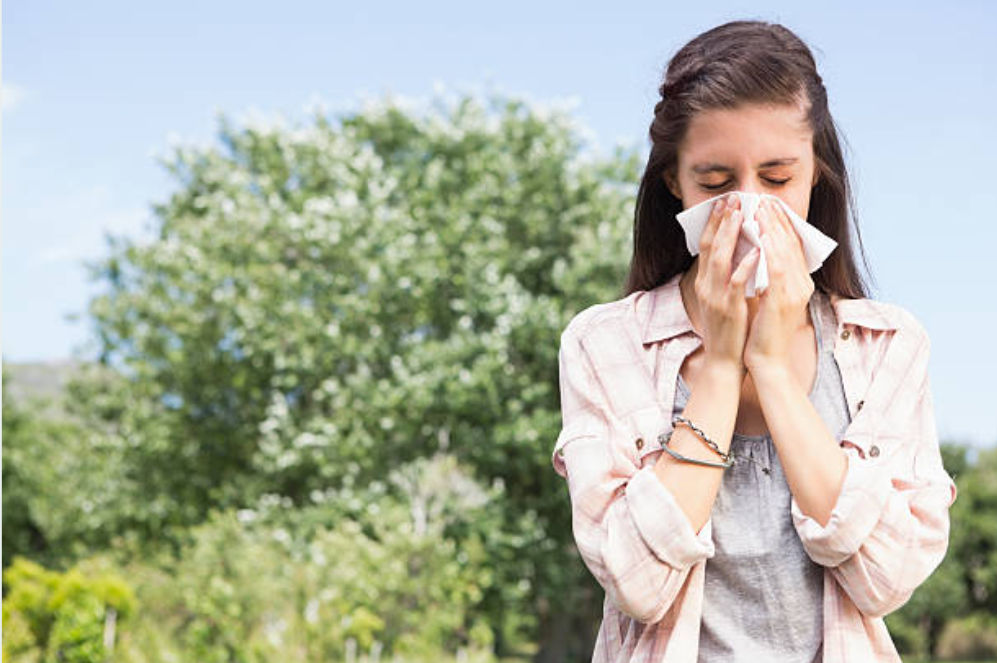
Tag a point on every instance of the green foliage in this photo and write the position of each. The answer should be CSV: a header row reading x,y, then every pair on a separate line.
x,y
60,616
325,308
972,638
909,638
60,480
22,534
77,636
324,299
306,584
327,301
977,531
965,583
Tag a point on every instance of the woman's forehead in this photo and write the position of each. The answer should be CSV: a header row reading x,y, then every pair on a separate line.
x,y
760,136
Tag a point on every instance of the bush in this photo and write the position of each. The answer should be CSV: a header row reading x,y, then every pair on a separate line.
x,y
972,638
50,615
313,583
909,639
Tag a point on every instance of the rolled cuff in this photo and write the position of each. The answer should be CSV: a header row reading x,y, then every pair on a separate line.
x,y
863,498
663,524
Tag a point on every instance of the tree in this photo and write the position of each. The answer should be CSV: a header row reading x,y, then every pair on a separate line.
x,y
21,533
326,301
57,482
965,583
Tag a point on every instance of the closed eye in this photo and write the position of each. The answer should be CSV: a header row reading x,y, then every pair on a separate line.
x,y
714,187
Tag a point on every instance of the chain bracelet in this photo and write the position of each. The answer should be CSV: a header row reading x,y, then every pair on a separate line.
x,y
664,438
713,445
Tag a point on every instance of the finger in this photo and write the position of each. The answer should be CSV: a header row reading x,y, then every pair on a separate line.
x,y
788,237
770,224
725,242
770,212
769,215
783,219
787,224
716,214
706,252
772,254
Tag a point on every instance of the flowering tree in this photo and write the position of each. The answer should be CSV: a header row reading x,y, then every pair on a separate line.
x,y
328,300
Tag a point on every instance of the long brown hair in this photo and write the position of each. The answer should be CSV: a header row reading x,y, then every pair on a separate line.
x,y
737,63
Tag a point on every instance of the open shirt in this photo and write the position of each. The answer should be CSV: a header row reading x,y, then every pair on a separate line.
x,y
889,528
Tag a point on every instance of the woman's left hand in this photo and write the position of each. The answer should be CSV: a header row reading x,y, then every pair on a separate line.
x,y
769,341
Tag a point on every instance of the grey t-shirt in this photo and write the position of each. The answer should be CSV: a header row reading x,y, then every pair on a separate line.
x,y
763,596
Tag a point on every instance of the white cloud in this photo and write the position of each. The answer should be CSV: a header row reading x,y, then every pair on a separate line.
x,y
12,96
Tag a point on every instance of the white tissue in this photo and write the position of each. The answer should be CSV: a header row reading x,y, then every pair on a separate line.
x,y
816,245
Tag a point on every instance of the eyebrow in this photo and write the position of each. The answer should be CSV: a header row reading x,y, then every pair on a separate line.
x,y
716,167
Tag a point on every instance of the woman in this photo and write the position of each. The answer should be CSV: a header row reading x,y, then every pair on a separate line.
x,y
751,478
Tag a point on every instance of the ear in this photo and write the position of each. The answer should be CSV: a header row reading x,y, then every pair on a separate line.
x,y
672,184
816,177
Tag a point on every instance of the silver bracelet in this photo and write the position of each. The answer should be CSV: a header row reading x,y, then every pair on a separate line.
x,y
727,457
664,439
713,445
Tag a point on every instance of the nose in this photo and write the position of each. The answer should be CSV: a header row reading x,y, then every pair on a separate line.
x,y
751,187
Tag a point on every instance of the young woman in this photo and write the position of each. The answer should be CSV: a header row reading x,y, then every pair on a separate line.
x,y
751,478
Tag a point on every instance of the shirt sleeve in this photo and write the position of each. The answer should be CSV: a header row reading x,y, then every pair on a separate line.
x,y
889,528
630,532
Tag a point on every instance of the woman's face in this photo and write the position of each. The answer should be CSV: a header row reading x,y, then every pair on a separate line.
x,y
756,148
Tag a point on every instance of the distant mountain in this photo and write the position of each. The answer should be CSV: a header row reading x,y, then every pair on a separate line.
x,y
38,379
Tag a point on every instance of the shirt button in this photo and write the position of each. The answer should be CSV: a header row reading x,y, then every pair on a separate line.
x,y
874,451
859,406
845,334
640,443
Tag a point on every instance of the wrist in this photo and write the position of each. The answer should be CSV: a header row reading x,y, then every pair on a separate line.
x,y
724,369
768,371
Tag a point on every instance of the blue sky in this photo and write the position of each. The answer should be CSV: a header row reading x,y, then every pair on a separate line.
x,y
92,90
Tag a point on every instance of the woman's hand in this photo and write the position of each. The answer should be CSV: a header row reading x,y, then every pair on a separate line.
x,y
720,293
790,286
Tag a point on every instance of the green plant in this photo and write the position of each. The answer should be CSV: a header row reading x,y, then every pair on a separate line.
x,y
972,638
60,616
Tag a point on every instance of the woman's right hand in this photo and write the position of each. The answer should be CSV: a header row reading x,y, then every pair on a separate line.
x,y
723,310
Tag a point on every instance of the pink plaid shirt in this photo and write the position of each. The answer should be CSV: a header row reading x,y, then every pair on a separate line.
x,y
889,528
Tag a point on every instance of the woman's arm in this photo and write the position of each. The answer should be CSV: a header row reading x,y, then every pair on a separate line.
x,y
813,462
632,529
888,526
712,406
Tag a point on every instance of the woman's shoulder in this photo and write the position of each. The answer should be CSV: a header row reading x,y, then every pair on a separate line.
x,y
600,314
643,314
874,314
